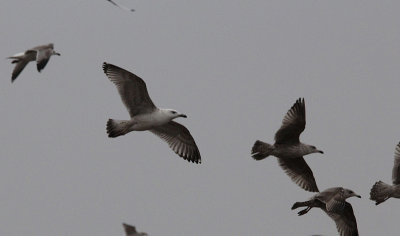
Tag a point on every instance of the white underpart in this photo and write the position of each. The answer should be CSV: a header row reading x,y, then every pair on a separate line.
x,y
151,120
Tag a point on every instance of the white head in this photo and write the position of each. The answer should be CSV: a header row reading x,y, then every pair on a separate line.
x,y
349,193
172,114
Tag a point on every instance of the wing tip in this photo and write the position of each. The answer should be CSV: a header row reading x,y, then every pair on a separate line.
x,y
105,67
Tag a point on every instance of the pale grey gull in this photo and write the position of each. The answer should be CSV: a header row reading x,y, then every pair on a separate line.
x,y
333,202
381,191
146,116
131,230
40,54
288,148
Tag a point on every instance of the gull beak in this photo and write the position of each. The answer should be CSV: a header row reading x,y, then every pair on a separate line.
x,y
319,151
183,115
358,196
58,54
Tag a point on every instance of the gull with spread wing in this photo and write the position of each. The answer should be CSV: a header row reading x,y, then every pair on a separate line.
x,y
333,202
381,191
40,54
288,148
146,116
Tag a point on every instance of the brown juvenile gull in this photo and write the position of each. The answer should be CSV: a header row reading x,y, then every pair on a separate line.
x,y
131,230
40,54
121,6
146,116
333,202
381,191
288,148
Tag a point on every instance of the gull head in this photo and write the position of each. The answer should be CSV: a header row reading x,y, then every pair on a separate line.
x,y
313,149
172,114
55,53
349,193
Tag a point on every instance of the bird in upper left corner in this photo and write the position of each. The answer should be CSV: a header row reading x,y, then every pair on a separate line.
x,y
41,54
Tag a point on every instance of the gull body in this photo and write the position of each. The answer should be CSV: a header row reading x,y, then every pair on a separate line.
x,y
333,202
40,54
382,191
146,116
288,148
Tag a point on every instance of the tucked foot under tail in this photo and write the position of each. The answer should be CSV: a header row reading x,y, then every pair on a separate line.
x,y
380,192
261,150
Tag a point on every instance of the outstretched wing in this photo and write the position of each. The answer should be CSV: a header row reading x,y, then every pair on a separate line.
x,y
293,124
346,222
131,88
129,229
179,140
18,69
396,166
299,172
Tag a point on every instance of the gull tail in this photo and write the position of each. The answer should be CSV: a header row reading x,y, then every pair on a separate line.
x,y
380,192
261,150
117,128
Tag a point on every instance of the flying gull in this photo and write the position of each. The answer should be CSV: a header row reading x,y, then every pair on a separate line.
x,y
40,54
131,230
333,202
121,6
288,148
146,116
381,191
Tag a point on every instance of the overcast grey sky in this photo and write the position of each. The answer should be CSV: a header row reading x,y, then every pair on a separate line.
x,y
235,68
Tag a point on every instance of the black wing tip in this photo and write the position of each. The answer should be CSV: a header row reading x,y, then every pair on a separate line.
x,y
194,159
105,67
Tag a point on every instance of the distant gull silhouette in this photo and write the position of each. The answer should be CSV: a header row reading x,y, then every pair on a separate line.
x,y
381,191
333,202
40,54
146,116
121,6
131,230
288,148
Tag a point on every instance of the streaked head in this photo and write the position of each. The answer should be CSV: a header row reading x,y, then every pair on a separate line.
x,y
349,193
313,149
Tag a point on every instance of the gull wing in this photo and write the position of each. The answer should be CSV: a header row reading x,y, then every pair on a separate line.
x,y
300,173
18,69
129,229
179,140
42,57
21,61
120,6
131,88
293,124
396,166
346,222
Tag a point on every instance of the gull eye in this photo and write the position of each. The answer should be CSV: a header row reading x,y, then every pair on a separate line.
x,y
173,112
